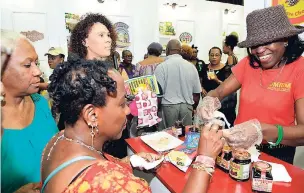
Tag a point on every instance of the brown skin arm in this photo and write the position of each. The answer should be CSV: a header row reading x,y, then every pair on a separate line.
x,y
230,60
293,135
196,99
43,86
198,182
230,85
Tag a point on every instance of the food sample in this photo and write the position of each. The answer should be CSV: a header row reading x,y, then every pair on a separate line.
x,y
160,143
178,157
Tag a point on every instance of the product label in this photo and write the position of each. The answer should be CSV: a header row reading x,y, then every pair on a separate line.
x,y
238,171
259,184
179,131
221,162
218,160
225,164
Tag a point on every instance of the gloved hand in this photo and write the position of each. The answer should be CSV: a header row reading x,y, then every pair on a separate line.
x,y
208,106
244,135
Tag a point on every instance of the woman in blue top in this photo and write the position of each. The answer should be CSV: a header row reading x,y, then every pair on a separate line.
x,y
27,122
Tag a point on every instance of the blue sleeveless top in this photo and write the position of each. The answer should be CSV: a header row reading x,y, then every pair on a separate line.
x,y
21,150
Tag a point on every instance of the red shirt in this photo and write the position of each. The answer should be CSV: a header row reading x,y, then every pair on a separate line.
x,y
274,102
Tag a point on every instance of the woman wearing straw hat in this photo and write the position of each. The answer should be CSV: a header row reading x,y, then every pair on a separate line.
x,y
271,78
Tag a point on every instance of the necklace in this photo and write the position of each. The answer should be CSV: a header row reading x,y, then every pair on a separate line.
x,y
275,78
82,144
63,137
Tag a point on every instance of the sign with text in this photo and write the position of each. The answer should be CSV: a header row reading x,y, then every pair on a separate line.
x,y
294,10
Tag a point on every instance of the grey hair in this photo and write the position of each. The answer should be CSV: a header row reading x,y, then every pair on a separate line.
x,y
9,40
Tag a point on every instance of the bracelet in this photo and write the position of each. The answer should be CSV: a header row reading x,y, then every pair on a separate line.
x,y
208,161
280,136
202,167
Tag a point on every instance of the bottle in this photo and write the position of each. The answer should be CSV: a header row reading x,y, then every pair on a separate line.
x,y
180,128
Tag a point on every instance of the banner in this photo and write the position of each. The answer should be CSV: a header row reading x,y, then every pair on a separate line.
x,y
294,9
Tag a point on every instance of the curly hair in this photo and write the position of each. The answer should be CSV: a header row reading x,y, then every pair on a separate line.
x,y
293,51
231,41
82,29
79,82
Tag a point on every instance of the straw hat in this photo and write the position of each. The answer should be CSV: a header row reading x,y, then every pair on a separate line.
x,y
268,25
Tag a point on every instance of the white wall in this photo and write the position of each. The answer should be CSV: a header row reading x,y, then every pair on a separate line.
x,y
209,22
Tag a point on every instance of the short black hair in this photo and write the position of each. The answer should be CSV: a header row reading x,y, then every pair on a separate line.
x,y
82,29
154,52
61,56
216,48
124,52
231,41
76,83
194,47
293,51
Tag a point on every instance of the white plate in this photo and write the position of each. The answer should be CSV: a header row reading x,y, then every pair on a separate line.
x,y
161,141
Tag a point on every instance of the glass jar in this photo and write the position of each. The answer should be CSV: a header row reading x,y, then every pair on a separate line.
x,y
223,159
240,165
262,179
181,130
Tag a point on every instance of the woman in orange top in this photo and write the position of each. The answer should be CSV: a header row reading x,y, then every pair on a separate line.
x,y
271,79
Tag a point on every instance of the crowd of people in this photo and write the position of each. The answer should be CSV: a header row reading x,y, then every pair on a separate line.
x,y
66,149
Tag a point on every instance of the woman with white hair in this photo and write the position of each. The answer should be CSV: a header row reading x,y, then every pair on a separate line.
x,y
27,122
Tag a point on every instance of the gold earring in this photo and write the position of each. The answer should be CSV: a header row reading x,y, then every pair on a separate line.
x,y
92,134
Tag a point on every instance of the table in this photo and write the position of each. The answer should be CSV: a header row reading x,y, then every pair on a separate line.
x,y
175,180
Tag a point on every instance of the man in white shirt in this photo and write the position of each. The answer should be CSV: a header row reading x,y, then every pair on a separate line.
x,y
180,84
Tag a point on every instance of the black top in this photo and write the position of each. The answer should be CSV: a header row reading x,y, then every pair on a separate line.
x,y
235,60
199,66
229,102
221,74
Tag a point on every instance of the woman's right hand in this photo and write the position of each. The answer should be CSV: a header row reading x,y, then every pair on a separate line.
x,y
211,141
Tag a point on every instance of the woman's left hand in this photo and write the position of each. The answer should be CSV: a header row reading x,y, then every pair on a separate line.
x,y
149,157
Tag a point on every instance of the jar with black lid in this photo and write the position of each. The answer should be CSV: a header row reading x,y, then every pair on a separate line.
x,y
262,179
223,159
240,165
180,127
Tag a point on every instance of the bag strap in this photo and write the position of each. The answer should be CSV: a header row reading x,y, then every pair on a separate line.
x,y
62,166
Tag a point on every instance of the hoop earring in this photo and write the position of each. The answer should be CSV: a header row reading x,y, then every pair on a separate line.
x,y
285,45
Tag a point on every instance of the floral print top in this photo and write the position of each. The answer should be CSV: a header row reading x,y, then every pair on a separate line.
x,y
107,176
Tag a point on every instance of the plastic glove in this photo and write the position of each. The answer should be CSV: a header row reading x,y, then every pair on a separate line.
x,y
244,135
208,106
